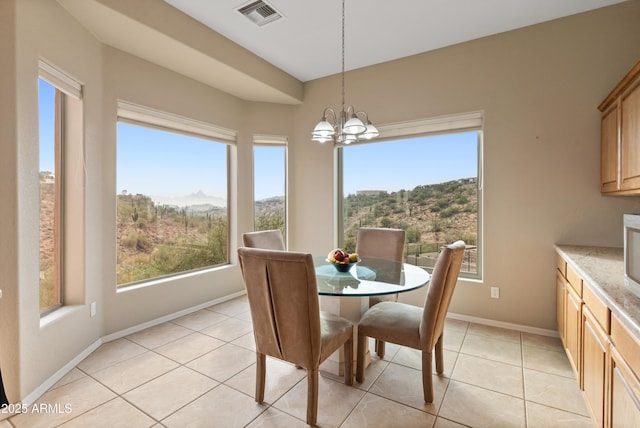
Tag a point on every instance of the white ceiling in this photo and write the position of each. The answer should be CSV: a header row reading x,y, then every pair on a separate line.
x,y
306,42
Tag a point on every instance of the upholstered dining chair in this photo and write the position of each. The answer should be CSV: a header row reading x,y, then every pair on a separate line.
x,y
418,328
287,321
380,243
268,239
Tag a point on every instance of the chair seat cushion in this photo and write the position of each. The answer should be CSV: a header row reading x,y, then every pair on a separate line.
x,y
393,322
333,332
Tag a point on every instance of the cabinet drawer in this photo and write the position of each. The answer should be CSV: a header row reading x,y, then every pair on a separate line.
x,y
597,307
626,344
561,264
574,280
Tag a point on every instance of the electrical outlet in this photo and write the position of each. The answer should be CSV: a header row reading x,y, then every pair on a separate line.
x,y
495,293
93,309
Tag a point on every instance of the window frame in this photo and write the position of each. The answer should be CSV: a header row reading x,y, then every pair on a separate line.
x,y
451,124
69,197
273,141
147,117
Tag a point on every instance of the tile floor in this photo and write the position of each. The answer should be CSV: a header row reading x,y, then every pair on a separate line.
x,y
199,371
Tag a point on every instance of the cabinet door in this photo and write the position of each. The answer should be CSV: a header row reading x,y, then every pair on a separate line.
x,y
609,150
560,305
594,370
624,394
630,139
573,324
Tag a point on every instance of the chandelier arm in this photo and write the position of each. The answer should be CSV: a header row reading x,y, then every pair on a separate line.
x,y
366,116
347,126
329,113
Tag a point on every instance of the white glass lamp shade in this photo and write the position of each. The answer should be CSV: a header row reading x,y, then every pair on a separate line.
x,y
370,132
323,131
354,126
348,139
321,139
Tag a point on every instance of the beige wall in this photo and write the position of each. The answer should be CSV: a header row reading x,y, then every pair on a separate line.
x,y
33,350
538,88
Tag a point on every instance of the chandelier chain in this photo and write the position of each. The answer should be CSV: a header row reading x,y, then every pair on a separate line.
x,y
343,91
349,124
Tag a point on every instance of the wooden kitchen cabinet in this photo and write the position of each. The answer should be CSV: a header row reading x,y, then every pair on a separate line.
x,y
630,137
620,137
624,394
561,291
609,150
573,329
623,385
595,345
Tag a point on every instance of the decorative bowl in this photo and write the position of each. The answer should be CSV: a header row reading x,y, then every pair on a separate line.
x,y
343,267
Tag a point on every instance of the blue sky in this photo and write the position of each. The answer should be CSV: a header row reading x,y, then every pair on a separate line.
x,y
155,162
46,113
405,164
269,171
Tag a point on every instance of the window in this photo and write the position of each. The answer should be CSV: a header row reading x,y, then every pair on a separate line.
x,y
59,145
269,183
427,184
50,150
171,195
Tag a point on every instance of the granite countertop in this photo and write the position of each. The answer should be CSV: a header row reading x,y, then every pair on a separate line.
x,y
602,268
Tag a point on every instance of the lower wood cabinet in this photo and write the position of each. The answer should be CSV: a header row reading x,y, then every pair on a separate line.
x,y
560,306
624,394
595,346
603,352
573,328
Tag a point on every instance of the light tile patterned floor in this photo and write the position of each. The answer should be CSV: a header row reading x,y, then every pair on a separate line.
x,y
199,371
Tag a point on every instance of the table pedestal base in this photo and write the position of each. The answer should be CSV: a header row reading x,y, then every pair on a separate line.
x,y
351,308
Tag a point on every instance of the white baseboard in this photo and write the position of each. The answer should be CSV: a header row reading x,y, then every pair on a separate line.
x,y
46,385
507,325
165,318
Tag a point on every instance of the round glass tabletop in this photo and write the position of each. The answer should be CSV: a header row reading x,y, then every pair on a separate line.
x,y
369,277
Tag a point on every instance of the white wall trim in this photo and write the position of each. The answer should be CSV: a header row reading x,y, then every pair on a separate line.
x,y
165,318
507,325
46,385
147,116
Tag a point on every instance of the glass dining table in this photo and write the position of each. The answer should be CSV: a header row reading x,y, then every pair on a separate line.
x,y
347,293
369,277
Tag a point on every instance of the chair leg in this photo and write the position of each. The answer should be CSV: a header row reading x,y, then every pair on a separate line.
x,y
362,342
439,355
312,396
348,362
380,348
427,379
260,376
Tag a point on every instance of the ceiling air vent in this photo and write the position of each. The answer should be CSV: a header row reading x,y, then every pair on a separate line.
x,y
260,13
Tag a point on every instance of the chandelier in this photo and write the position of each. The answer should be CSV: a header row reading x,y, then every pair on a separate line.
x,y
346,126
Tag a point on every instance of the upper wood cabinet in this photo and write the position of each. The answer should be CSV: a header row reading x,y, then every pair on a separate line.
x,y
620,137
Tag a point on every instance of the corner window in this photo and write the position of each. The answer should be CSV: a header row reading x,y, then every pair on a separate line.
x,y
59,148
428,184
172,195
270,183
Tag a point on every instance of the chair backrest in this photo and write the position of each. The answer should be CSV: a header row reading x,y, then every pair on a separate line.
x,y
283,297
268,239
441,287
380,243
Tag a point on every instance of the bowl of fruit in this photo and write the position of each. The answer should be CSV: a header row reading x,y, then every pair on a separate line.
x,y
342,260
